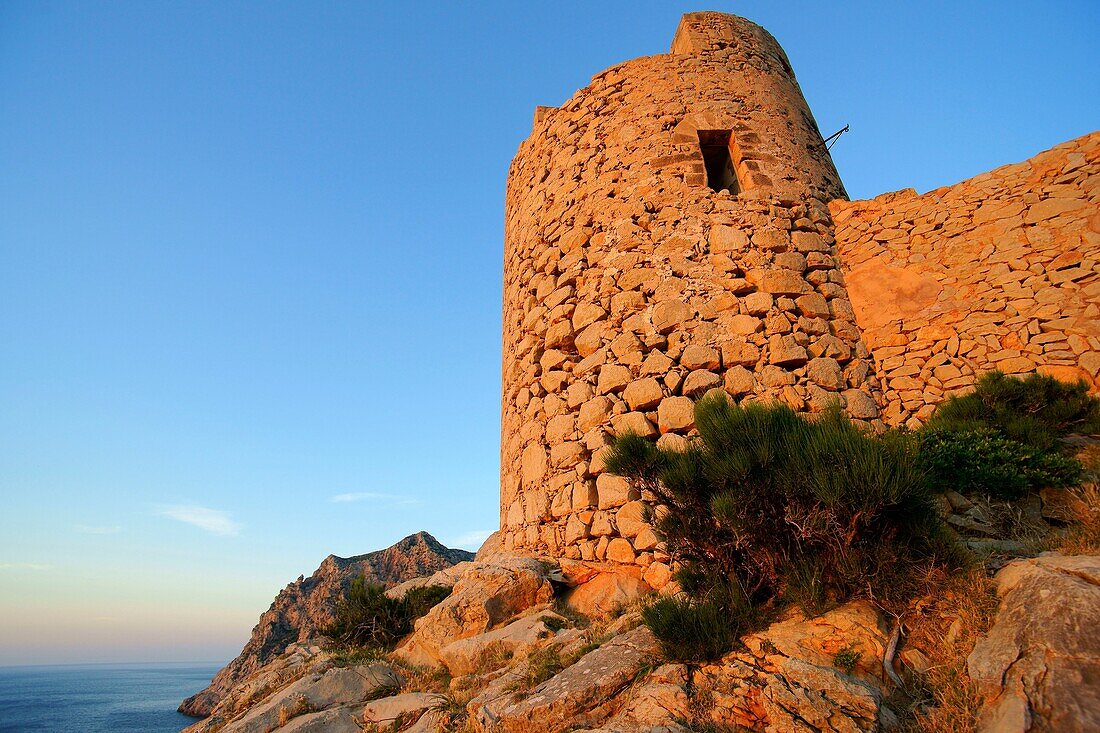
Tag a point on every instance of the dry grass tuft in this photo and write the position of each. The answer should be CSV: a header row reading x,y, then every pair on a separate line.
x,y
423,679
945,699
1082,537
300,706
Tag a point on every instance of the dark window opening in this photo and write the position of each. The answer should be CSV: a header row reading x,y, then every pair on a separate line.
x,y
721,174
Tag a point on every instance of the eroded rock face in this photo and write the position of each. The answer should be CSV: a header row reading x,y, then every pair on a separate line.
x,y
518,638
581,693
1042,655
485,596
300,690
307,604
787,678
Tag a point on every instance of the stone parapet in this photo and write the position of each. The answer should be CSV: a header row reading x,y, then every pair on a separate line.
x,y
999,271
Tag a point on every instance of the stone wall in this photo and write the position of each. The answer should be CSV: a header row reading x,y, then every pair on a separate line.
x,y
999,271
631,287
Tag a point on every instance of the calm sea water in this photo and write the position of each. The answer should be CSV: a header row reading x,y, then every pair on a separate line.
x,y
99,698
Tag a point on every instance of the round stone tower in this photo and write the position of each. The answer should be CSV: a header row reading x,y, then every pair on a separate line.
x,y
667,234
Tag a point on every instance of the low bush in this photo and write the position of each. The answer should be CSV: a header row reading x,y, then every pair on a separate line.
x,y
984,461
367,617
768,504
1004,439
1037,410
847,658
542,664
692,630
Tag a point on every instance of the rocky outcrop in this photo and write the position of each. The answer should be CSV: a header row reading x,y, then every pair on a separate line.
x,y
307,604
1042,655
301,690
506,662
485,597
582,693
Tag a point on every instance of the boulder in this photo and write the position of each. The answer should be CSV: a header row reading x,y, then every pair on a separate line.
x,y
608,592
485,596
466,656
407,707
329,691
334,720
581,695
1041,658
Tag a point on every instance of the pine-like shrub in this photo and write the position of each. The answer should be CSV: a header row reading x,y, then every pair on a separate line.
x,y
1037,410
692,630
768,504
985,462
367,617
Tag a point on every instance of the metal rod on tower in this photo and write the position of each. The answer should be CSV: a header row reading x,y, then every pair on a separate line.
x,y
829,141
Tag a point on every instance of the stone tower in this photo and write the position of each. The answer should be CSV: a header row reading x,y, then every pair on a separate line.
x,y
667,234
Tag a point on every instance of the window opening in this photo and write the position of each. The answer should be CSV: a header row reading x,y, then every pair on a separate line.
x,y
721,174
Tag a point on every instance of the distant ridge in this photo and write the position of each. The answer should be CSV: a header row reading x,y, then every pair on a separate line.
x,y
307,604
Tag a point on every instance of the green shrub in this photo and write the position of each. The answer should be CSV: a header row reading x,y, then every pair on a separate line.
x,y
1037,410
768,504
983,461
765,493
693,630
367,617
847,658
419,601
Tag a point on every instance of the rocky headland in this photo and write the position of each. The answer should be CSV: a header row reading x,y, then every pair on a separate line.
x,y
307,605
536,645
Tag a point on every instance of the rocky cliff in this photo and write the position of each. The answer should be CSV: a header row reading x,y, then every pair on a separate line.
x,y
307,604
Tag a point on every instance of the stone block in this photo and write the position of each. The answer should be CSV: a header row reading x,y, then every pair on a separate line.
x,y
643,394
614,491
675,414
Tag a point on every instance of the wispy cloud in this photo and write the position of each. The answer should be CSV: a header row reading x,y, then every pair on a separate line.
x,y
391,499
214,521
472,540
90,529
33,566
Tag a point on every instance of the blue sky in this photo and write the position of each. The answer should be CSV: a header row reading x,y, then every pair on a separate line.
x,y
250,262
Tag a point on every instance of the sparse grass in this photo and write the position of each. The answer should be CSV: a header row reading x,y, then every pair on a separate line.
x,y
577,618
946,700
543,664
420,678
1014,522
450,712
595,636
492,657
1082,536
350,656
847,658
300,706
554,623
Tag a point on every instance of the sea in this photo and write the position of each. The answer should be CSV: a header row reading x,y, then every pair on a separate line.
x,y
99,698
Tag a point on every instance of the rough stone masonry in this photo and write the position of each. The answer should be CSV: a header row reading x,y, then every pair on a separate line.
x,y
678,226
